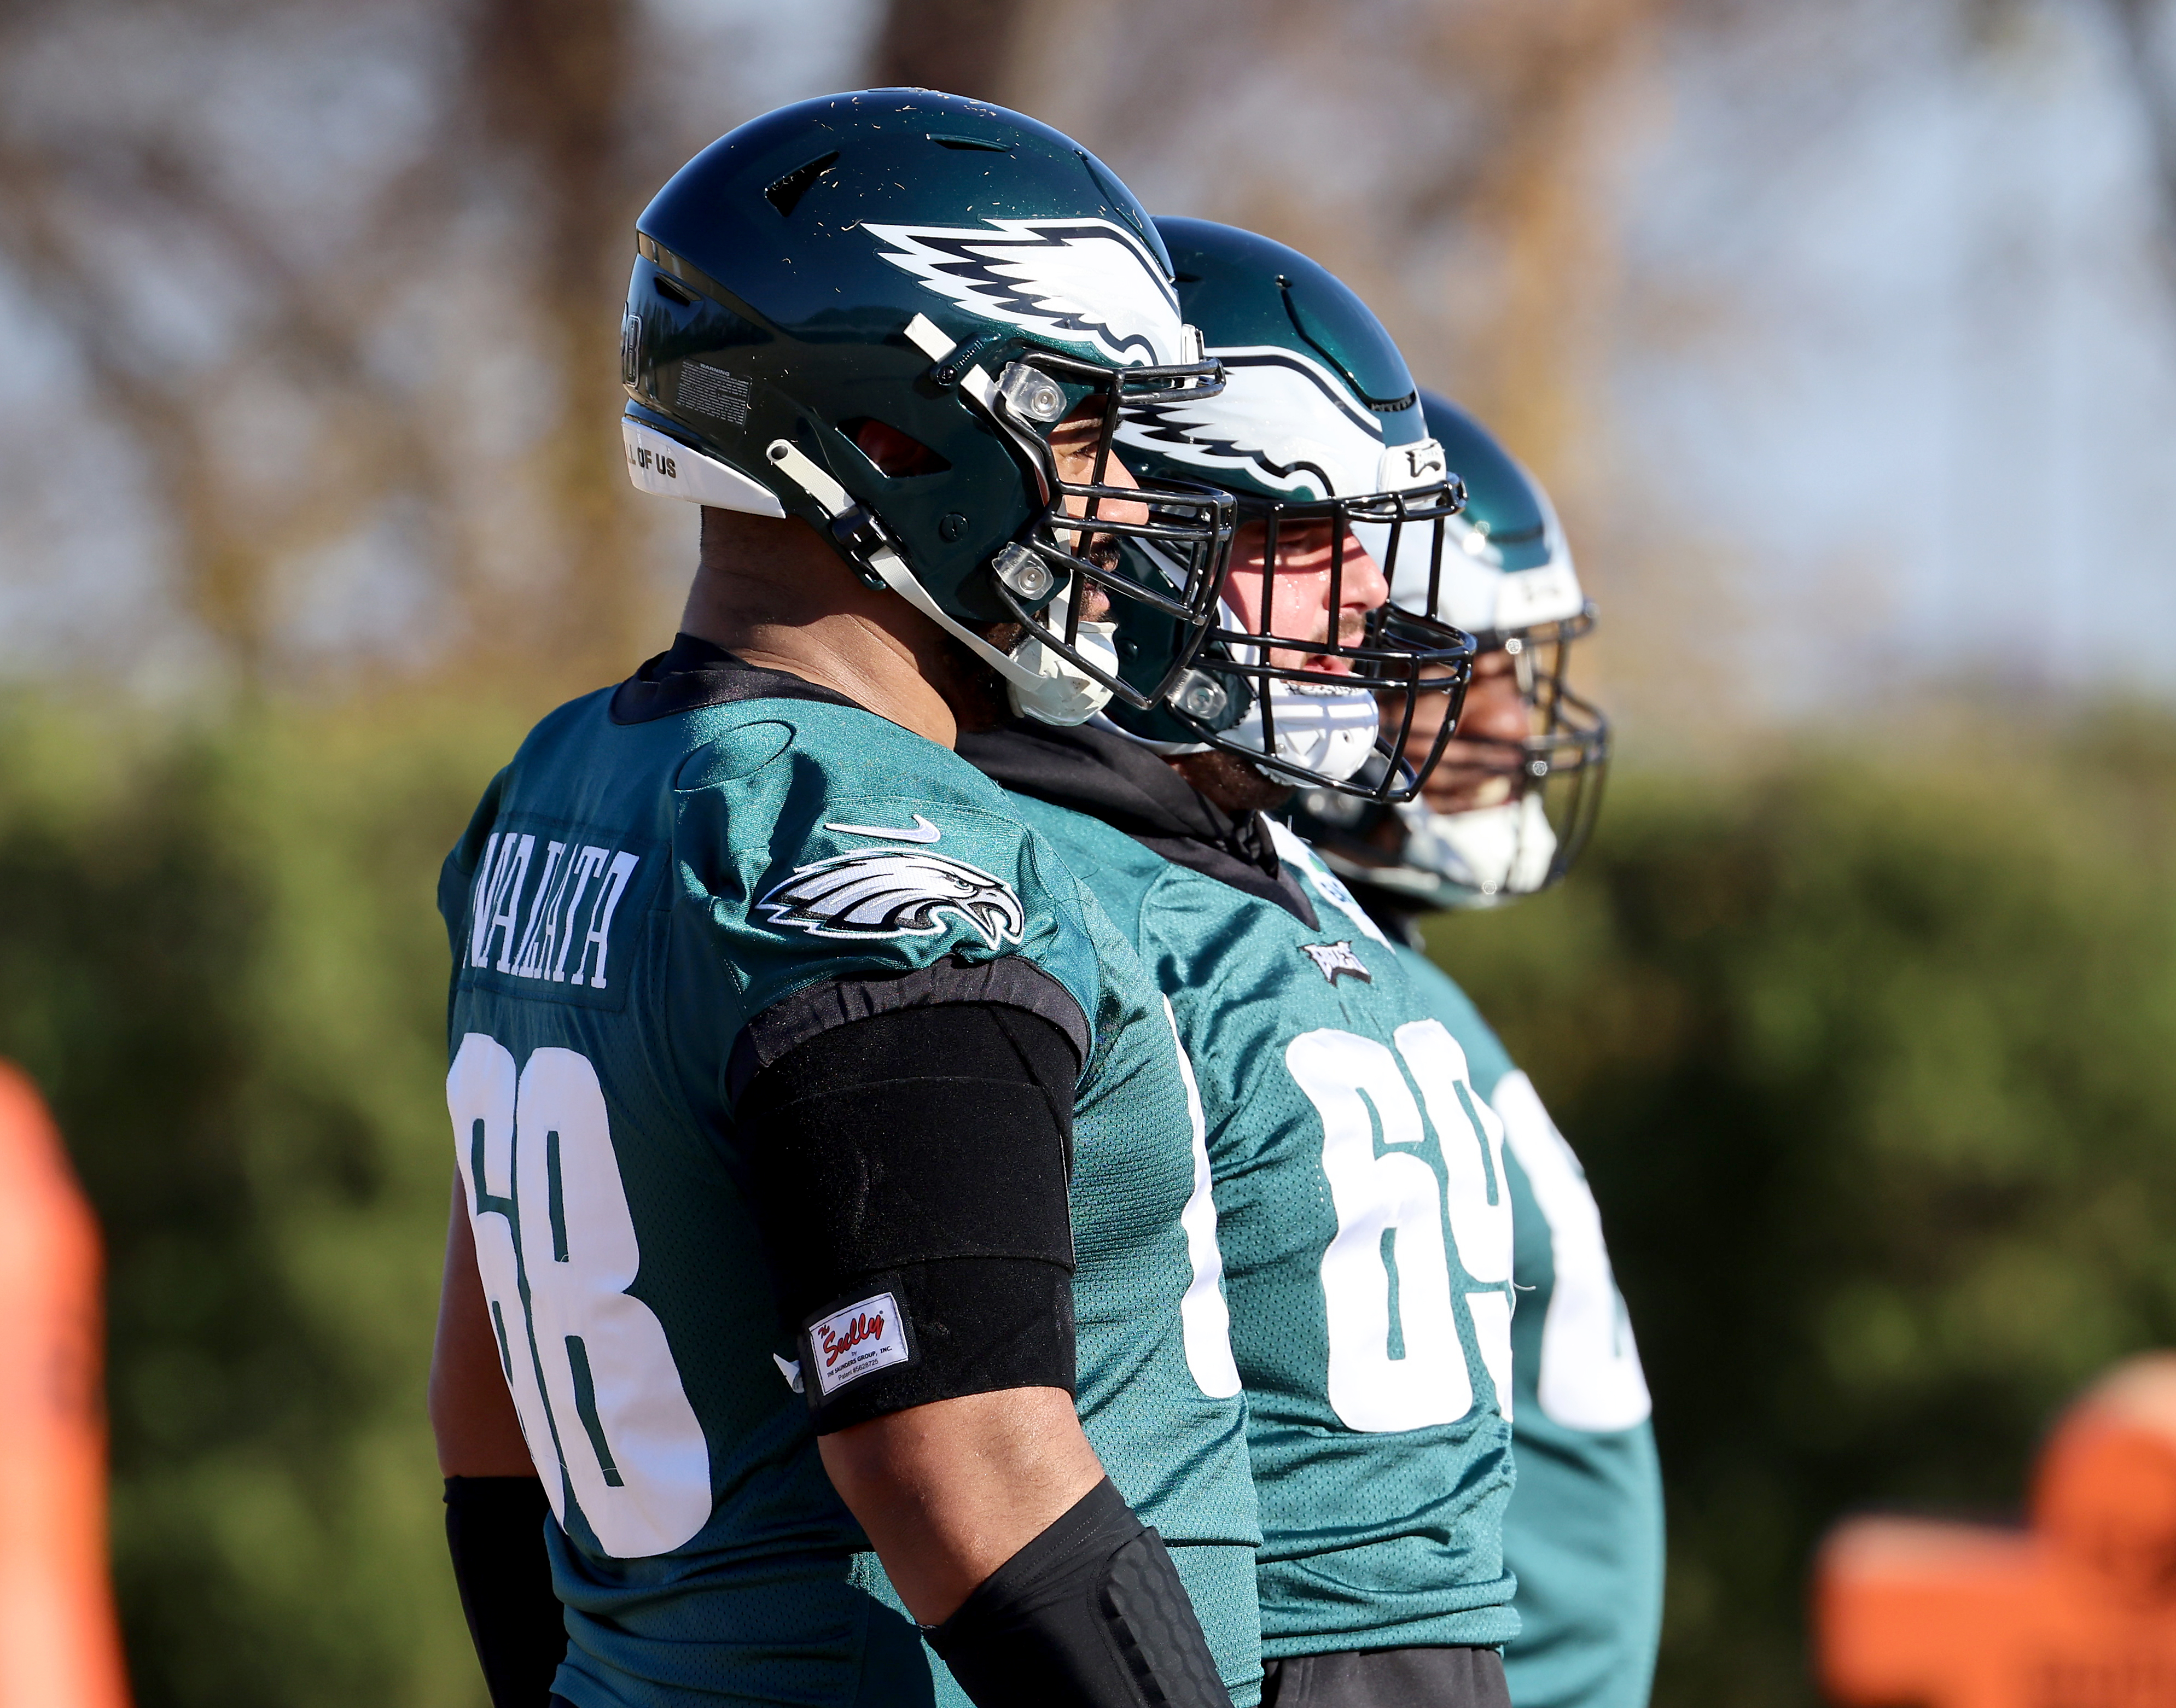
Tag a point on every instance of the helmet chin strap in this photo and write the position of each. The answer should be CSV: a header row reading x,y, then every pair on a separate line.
x,y
1041,683
1329,731
1492,850
1064,695
1169,750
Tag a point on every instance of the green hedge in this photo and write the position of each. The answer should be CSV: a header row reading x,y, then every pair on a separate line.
x,y
221,961
1872,1064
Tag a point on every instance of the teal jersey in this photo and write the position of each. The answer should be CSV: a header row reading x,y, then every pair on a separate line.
x,y
1584,1532
1159,1399
631,894
1366,1239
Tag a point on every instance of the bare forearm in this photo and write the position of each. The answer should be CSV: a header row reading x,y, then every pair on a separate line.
x,y
472,1414
948,1493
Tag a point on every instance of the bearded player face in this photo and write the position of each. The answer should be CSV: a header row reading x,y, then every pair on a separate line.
x,y
1292,593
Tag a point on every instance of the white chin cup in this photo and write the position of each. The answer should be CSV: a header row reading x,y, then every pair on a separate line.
x,y
1329,731
1492,850
1062,693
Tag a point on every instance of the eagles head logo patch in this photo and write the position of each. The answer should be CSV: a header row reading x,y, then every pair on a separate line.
x,y
1336,960
1076,281
894,892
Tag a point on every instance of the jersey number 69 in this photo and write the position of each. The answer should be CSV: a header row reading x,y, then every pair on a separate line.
x,y
1396,1359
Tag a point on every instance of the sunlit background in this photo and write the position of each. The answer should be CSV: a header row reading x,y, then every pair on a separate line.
x,y
1843,331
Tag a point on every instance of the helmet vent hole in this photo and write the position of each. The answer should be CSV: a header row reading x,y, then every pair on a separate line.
x,y
785,193
671,292
897,456
975,142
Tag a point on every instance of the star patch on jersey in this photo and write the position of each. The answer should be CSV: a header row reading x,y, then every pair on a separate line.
x,y
895,892
1334,960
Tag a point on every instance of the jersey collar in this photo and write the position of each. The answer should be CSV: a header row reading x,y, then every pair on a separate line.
x,y
1109,777
696,673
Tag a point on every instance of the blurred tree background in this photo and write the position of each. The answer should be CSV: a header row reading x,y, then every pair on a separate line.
x,y
1868,1060
1840,330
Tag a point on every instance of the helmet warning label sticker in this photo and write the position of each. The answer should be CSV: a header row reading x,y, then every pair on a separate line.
x,y
713,392
855,1342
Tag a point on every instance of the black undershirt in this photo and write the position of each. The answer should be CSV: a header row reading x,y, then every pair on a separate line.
x,y
1131,789
694,673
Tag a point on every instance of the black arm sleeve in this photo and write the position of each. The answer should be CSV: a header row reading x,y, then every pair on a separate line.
x,y
495,1531
909,1170
1090,1614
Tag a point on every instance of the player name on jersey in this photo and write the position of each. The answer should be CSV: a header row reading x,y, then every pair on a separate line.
x,y
542,909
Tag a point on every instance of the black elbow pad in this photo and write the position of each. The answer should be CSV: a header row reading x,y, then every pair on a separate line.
x,y
1090,1614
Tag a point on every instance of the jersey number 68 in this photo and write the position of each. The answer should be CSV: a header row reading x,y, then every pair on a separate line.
x,y
591,1374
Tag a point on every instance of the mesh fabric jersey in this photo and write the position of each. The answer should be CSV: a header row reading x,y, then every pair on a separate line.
x,y
630,894
1365,1241
1584,1531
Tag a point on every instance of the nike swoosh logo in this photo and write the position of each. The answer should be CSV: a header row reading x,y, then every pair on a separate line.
x,y
923,831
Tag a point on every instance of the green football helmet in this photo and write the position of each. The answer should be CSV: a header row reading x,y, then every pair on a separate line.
x,y
1317,432
1509,579
871,311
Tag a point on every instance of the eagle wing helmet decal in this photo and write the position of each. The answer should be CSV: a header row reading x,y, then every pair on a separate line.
x,y
1076,282
1280,419
894,892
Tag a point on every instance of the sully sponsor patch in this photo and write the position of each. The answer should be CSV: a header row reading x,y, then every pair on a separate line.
x,y
1336,960
894,892
855,1342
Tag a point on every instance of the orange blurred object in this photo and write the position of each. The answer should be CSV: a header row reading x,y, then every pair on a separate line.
x,y
59,1644
2078,1612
